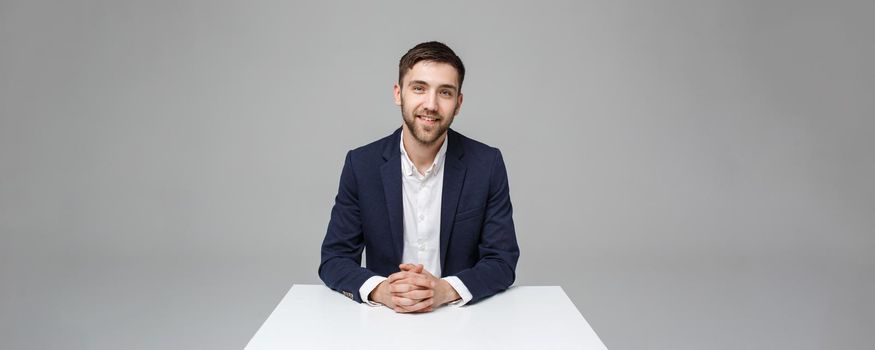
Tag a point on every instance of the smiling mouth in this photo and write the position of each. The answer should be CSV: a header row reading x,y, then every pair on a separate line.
x,y
429,120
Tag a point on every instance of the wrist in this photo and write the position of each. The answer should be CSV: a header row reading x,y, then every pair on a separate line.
x,y
449,293
374,295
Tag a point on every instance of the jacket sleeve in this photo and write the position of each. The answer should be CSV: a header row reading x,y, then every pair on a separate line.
x,y
498,249
340,266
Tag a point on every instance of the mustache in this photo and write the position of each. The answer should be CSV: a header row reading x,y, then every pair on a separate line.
x,y
433,115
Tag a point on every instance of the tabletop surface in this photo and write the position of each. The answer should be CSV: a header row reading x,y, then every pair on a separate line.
x,y
523,317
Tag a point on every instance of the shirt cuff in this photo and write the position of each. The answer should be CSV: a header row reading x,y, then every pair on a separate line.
x,y
461,289
369,286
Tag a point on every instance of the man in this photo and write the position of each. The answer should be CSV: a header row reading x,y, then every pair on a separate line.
x,y
425,202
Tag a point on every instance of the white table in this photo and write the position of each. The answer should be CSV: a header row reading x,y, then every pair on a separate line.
x,y
315,317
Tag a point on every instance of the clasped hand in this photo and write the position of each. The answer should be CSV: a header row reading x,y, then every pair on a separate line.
x,y
413,289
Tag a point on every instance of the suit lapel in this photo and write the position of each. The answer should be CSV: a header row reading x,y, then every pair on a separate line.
x,y
454,177
391,176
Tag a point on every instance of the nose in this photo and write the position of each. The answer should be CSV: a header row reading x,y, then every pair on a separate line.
x,y
430,102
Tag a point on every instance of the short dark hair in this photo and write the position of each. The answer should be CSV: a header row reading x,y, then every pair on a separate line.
x,y
430,51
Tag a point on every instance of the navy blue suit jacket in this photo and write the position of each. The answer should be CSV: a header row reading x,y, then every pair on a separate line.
x,y
477,239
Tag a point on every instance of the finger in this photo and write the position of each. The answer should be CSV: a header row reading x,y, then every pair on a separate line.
x,y
428,309
420,294
403,288
419,281
418,306
403,275
397,288
417,268
399,275
400,288
401,310
402,302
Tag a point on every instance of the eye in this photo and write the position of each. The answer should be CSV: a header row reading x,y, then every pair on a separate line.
x,y
447,93
418,88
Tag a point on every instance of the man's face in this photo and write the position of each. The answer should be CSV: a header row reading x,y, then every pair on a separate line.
x,y
429,98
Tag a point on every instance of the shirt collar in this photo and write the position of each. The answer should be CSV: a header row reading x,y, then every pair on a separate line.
x,y
407,165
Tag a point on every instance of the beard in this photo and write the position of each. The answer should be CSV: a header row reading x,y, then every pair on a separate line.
x,y
426,135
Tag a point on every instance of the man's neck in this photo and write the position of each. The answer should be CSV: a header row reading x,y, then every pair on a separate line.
x,y
420,154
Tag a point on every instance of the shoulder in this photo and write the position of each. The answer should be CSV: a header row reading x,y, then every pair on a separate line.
x,y
376,147
374,154
474,150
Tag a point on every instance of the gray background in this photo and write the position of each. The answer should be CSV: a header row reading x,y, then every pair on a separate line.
x,y
695,174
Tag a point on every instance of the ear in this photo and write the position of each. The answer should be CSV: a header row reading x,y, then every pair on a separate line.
x,y
397,94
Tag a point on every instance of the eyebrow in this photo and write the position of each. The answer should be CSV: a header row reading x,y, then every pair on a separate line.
x,y
421,82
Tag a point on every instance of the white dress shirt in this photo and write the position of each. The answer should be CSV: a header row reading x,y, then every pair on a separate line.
x,y
422,222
